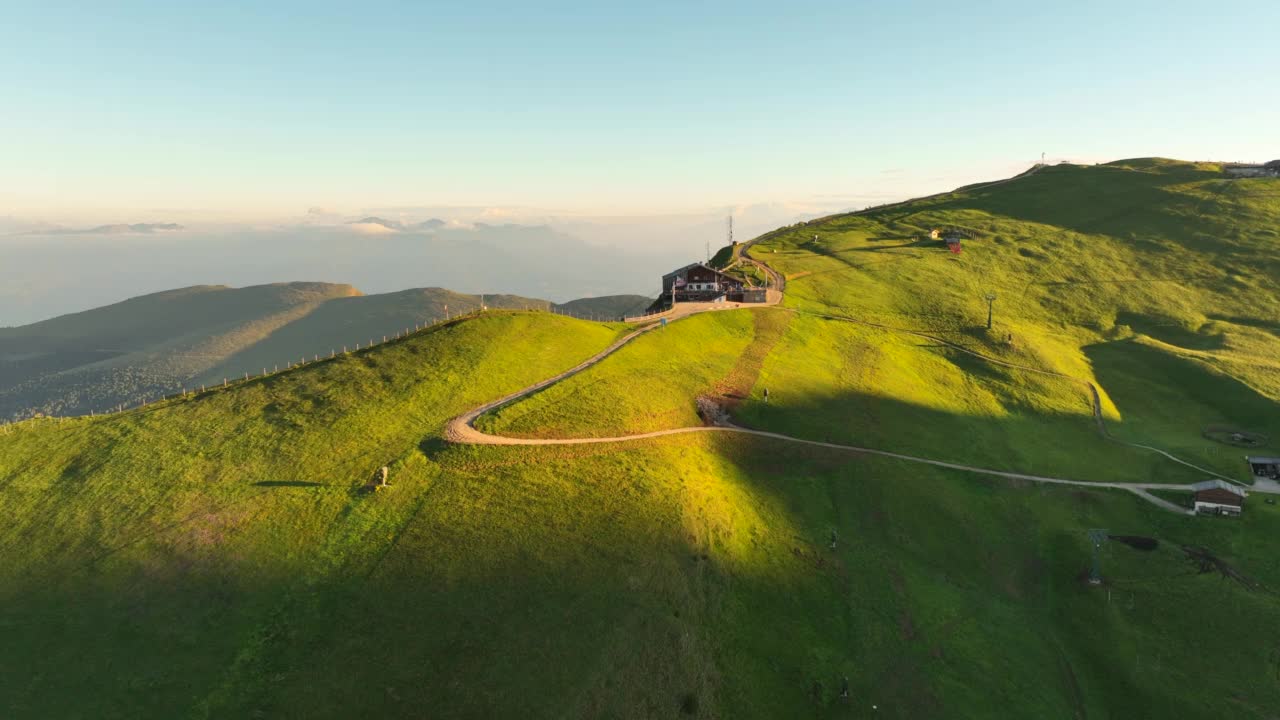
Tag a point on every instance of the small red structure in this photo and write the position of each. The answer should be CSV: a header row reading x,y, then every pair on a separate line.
x,y
952,238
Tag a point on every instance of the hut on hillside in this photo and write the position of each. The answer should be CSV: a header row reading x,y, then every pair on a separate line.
x,y
1218,497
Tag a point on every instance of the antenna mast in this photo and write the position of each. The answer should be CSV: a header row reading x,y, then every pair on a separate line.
x,y
730,231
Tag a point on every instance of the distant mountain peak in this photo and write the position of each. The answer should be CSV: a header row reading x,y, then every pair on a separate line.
x,y
114,229
375,220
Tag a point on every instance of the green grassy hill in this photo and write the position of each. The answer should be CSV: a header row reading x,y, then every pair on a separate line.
x,y
145,346
216,556
607,307
1158,291
1152,278
158,344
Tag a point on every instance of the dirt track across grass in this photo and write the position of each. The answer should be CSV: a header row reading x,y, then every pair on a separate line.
x,y
462,428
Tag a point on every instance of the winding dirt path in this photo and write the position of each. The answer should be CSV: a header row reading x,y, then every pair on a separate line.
x,y
462,430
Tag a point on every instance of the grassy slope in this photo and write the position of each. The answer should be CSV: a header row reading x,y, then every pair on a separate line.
x,y
157,344
1129,290
155,542
343,322
150,344
213,558
1132,274
180,562
649,385
608,306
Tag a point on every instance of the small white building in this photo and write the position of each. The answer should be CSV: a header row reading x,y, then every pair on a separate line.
x,y
1218,497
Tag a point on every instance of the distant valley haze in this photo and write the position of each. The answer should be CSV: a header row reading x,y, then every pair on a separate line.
x,y
49,269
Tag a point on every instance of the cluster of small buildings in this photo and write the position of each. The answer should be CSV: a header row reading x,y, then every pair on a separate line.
x,y
1240,170
951,236
1219,497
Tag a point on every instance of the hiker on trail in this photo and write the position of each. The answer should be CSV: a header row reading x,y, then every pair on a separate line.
x,y
844,688
833,539
766,395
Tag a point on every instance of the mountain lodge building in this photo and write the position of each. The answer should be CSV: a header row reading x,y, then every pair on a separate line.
x,y
700,283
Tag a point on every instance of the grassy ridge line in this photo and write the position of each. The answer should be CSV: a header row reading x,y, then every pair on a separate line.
x,y
746,247
153,345
240,380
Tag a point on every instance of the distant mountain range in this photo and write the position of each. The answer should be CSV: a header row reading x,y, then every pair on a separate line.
x,y
115,229
431,224
160,343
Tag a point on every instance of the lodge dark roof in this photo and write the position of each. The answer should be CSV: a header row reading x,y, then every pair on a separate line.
x,y
1214,485
704,266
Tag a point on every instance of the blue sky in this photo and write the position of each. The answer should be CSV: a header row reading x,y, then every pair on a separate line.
x,y
243,109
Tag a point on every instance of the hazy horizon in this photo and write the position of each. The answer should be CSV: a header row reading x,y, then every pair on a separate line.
x,y
50,271
628,133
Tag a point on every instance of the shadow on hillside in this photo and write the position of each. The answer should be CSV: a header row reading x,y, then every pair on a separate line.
x,y
1163,391
1171,332
660,576
1270,325
1020,438
433,446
